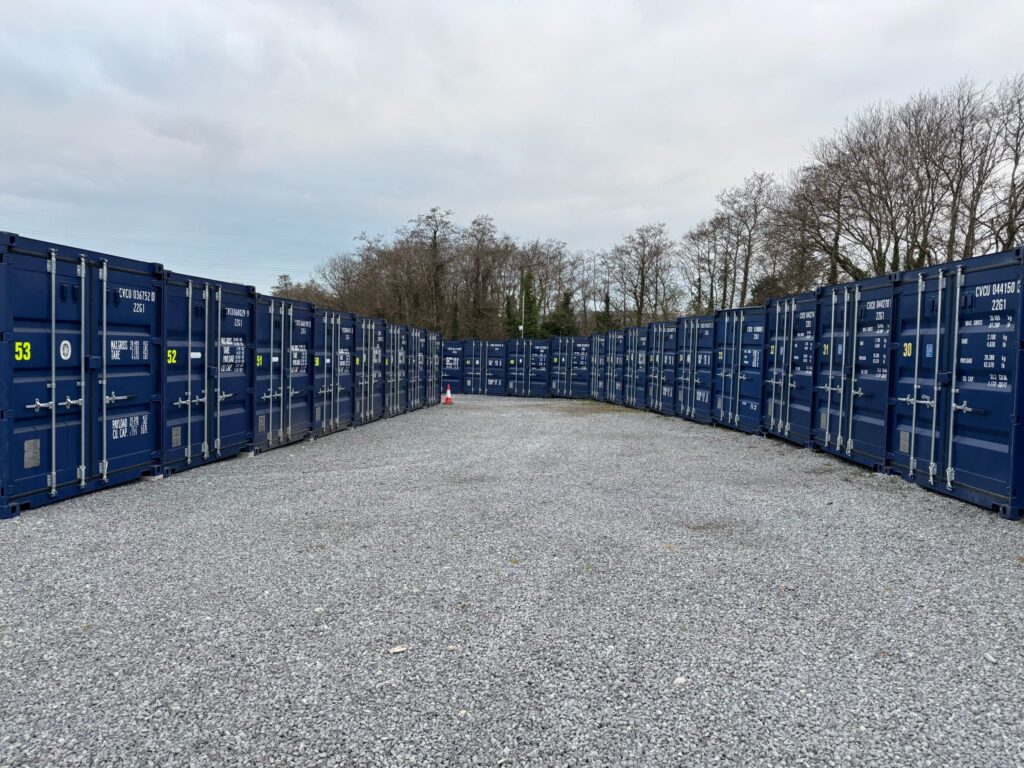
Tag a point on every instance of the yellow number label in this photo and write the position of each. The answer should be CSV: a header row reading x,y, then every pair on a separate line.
x,y
908,349
316,361
824,349
259,361
172,356
22,350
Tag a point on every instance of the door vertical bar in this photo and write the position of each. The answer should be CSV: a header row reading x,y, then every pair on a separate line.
x,y
83,269
52,268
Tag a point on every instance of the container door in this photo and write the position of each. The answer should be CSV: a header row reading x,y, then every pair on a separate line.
x,y
127,381
342,370
750,371
776,352
378,346
704,371
581,363
451,372
269,373
868,375
979,404
363,371
50,316
299,385
495,368
921,370
799,373
231,391
683,362
83,402
654,342
325,364
640,369
402,373
187,340
539,353
628,361
661,377
727,361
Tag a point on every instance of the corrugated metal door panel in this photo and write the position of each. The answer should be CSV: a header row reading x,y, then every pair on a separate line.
x,y
598,365
789,367
558,366
209,337
268,415
704,370
432,388
981,412
739,372
299,392
451,366
615,346
474,367
333,341
519,375
496,361
232,383
634,376
580,360
402,378
955,405
854,349
343,368
82,371
539,351
661,367
368,367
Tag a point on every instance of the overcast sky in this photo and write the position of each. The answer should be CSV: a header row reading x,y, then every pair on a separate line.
x,y
243,139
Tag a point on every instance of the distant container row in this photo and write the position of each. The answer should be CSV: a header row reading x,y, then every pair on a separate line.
x,y
115,369
914,373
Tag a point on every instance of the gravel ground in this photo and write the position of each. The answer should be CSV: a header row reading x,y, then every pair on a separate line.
x,y
572,584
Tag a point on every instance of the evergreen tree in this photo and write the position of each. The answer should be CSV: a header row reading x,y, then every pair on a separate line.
x,y
603,319
561,322
511,318
531,309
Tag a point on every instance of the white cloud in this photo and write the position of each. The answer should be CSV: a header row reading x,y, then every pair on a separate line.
x,y
256,129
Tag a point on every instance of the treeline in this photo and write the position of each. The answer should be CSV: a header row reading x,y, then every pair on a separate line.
x,y
899,186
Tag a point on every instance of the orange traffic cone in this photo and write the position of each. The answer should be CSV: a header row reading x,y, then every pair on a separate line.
x,y
448,397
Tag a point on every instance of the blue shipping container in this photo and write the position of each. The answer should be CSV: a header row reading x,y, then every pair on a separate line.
x,y
634,377
474,367
851,398
956,407
496,361
334,341
570,366
82,347
284,372
528,367
661,367
368,371
395,342
695,368
451,366
209,341
789,367
739,368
